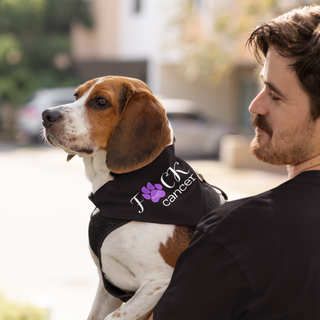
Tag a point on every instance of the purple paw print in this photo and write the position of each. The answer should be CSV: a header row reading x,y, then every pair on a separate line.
x,y
153,192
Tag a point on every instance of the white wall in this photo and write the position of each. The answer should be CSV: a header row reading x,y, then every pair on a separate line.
x,y
141,35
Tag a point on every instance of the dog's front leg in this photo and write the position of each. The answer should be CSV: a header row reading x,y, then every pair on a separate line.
x,y
104,303
143,302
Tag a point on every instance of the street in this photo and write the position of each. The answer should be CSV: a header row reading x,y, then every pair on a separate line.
x,y
44,215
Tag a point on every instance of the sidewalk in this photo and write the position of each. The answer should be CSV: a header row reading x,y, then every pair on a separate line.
x,y
44,215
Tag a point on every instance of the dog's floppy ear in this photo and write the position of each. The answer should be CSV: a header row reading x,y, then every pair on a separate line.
x,y
140,135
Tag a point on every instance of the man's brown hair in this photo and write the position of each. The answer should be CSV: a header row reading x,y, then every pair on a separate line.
x,y
294,34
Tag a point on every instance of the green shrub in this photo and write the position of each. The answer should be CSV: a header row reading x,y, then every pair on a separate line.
x,y
11,310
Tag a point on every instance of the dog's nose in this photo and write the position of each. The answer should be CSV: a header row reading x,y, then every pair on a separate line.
x,y
50,117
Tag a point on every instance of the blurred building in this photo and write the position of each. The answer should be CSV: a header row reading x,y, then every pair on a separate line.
x,y
129,38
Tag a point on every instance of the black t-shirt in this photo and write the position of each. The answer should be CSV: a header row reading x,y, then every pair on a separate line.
x,y
254,258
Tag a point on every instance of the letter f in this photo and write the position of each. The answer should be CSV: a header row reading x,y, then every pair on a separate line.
x,y
139,203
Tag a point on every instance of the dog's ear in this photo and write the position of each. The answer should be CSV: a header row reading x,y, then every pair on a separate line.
x,y
140,135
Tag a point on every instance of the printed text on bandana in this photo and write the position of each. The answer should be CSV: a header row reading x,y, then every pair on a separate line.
x,y
172,184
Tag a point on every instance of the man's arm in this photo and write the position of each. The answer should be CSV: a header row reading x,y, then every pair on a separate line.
x,y
207,283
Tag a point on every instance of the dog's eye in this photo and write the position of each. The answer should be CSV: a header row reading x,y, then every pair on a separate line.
x,y
102,102
76,95
99,103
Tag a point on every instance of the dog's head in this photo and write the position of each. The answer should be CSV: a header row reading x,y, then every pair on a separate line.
x,y
117,114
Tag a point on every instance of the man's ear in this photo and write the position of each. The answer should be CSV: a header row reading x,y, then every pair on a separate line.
x,y
140,135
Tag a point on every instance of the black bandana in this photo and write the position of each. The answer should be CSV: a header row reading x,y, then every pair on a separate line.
x,y
166,191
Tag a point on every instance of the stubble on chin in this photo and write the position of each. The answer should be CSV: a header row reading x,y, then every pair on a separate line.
x,y
263,151
290,148
261,146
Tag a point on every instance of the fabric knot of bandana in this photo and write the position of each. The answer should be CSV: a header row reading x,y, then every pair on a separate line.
x,y
166,191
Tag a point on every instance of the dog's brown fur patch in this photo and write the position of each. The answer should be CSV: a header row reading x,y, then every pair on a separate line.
x,y
171,250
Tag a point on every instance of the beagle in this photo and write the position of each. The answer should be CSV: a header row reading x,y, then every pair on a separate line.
x,y
148,201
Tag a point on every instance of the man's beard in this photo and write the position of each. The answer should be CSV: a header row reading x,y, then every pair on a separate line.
x,y
288,148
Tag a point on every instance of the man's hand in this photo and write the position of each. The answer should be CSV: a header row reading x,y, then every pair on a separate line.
x,y
149,317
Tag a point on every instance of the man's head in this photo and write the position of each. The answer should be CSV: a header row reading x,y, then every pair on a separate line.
x,y
295,34
286,113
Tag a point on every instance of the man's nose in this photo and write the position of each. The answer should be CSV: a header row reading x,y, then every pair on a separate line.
x,y
259,104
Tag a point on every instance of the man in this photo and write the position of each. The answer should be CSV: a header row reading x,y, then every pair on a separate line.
x,y
258,257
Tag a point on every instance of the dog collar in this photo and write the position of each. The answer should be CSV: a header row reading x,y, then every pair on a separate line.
x,y
166,191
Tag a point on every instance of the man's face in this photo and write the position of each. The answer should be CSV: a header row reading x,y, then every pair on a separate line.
x,y
285,131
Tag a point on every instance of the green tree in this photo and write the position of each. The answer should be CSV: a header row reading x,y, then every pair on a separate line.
x,y
211,39
35,46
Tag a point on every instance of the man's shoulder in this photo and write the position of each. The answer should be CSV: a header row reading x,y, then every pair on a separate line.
x,y
256,213
236,211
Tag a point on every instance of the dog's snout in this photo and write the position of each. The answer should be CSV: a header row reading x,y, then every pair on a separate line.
x,y
50,117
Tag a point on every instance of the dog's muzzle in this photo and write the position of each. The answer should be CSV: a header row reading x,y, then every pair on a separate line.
x,y
50,117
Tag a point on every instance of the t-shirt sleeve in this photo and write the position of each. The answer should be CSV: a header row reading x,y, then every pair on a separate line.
x,y
207,284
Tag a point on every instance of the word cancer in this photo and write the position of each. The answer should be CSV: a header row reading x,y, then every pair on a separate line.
x,y
155,192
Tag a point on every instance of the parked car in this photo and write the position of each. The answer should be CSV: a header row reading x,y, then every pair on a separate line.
x,y
196,134
28,121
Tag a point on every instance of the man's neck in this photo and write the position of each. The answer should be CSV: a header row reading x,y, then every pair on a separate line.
x,y
311,164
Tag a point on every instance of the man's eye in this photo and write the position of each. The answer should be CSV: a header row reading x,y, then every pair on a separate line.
x,y
271,95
